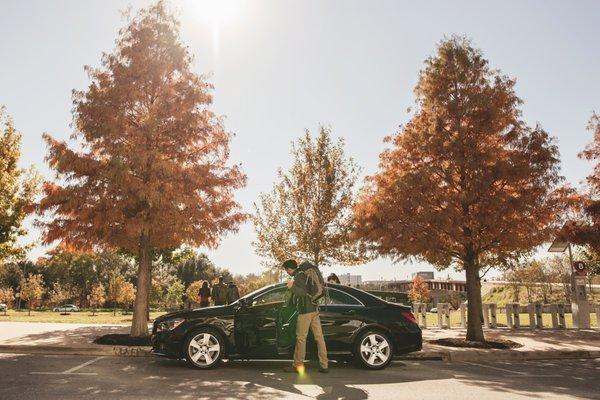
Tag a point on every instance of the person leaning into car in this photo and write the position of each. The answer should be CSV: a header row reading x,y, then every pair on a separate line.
x,y
308,318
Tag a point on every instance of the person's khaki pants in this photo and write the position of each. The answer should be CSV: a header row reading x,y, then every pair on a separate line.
x,y
312,321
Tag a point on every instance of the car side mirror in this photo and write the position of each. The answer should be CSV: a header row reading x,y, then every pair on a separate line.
x,y
243,302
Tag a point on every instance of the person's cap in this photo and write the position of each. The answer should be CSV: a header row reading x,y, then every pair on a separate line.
x,y
289,264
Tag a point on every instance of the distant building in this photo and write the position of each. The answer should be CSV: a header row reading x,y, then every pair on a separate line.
x,y
352,280
440,289
404,285
427,275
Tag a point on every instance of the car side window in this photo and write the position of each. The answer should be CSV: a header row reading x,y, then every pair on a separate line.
x,y
337,297
273,296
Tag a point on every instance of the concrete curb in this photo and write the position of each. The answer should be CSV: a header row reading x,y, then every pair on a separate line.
x,y
449,356
117,351
502,355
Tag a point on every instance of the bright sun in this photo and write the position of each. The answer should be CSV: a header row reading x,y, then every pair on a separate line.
x,y
218,13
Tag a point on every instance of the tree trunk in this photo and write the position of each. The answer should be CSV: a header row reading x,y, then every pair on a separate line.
x,y
139,323
474,306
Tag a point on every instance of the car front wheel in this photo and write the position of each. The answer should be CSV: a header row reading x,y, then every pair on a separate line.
x,y
204,349
373,350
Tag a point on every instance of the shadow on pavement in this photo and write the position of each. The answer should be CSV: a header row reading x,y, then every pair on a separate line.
x,y
569,378
154,378
265,379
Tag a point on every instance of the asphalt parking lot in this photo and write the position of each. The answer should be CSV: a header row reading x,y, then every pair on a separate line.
x,y
77,377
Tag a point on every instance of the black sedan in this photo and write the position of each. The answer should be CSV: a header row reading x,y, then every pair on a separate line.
x,y
260,325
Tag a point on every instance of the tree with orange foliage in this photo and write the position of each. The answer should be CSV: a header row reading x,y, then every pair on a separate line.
x,y
153,170
584,230
419,290
18,189
97,297
466,183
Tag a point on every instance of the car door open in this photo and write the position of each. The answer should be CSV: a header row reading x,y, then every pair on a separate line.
x,y
286,329
256,324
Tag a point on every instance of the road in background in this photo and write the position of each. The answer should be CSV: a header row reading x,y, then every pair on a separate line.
x,y
26,377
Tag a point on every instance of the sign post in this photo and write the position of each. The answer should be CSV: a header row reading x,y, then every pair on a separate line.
x,y
580,307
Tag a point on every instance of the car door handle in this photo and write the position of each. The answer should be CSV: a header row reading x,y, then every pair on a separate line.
x,y
349,312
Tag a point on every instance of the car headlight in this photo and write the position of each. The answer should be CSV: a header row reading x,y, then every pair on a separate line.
x,y
169,324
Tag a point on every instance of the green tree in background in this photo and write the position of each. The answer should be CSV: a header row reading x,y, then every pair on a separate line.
x,y
58,294
116,286
199,268
97,297
174,297
308,213
32,290
17,190
7,296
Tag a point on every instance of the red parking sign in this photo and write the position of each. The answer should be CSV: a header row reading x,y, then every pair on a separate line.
x,y
579,268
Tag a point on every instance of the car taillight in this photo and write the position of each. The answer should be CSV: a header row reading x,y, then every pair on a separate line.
x,y
409,316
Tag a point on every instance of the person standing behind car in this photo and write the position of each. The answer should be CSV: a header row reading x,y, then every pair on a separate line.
x,y
333,278
232,293
204,294
308,314
219,292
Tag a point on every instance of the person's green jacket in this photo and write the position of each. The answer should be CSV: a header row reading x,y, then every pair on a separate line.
x,y
232,293
219,293
300,297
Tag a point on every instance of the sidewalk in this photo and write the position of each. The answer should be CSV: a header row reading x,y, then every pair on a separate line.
x,y
537,344
62,338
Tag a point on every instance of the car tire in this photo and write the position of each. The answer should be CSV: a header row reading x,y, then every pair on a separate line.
x,y
373,349
204,348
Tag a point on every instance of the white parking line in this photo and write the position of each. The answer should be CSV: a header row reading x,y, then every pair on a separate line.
x,y
71,371
496,368
516,374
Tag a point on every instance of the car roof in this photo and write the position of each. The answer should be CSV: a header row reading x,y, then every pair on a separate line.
x,y
361,295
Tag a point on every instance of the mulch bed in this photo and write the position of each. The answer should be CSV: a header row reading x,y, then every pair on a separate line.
x,y
122,339
488,344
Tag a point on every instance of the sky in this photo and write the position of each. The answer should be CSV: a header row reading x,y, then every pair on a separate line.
x,y
280,67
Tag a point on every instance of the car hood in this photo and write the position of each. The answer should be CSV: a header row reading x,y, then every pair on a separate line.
x,y
197,313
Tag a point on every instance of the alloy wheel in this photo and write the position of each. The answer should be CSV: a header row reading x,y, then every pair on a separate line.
x,y
375,350
204,349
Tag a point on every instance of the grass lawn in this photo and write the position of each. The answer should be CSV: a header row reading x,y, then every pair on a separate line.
x,y
81,317
432,320
505,294
107,317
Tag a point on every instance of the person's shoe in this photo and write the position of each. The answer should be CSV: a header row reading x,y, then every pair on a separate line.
x,y
291,369
324,370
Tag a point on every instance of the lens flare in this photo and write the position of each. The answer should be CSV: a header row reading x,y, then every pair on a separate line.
x,y
218,13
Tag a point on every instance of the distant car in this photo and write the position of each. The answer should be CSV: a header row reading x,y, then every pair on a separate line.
x,y
433,310
66,308
3,307
261,325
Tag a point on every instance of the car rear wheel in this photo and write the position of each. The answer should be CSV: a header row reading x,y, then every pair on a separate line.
x,y
204,349
373,350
